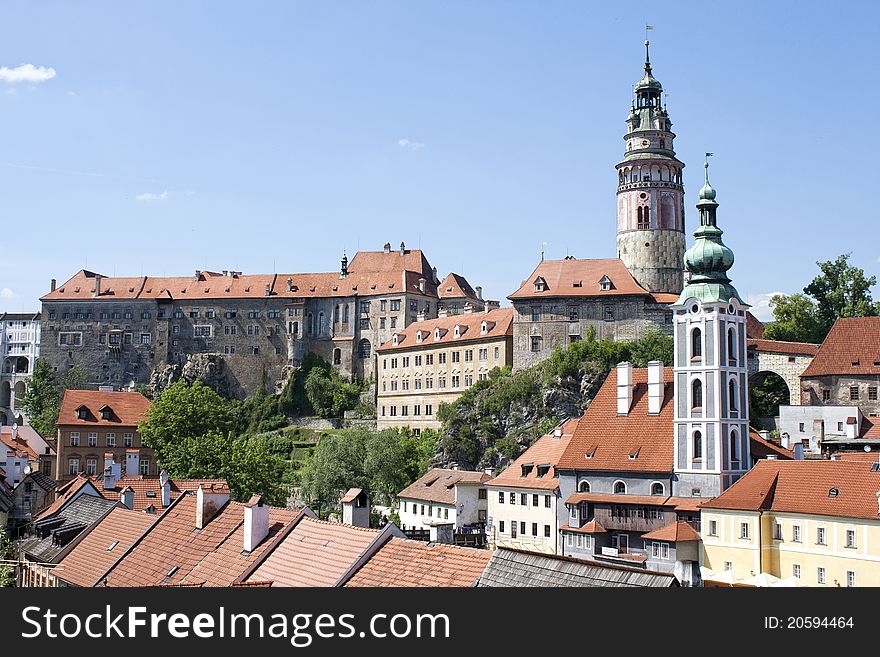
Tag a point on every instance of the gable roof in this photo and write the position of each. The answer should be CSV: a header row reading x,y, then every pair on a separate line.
x,y
851,347
438,485
401,562
53,533
128,408
781,347
760,448
674,532
79,485
514,568
455,286
611,439
545,451
109,539
500,324
351,495
315,553
804,487
412,260
579,278
148,492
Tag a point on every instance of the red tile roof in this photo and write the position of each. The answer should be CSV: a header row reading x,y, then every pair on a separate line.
x,y
103,545
314,553
128,408
455,286
851,347
592,527
438,485
147,491
413,260
579,278
545,451
754,327
405,563
780,347
18,446
675,532
806,487
500,323
351,495
860,456
760,448
610,438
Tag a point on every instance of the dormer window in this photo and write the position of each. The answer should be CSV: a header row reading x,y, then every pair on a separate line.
x,y
484,328
394,339
540,284
527,469
605,284
106,413
82,413
459,330
543,470
419,337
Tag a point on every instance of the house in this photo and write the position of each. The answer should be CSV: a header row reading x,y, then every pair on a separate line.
x,y
40,451
32,494
444,496
67,493
508,568
523,499
434,361
404,563
94,422
816,521
826,428
19,351
456,295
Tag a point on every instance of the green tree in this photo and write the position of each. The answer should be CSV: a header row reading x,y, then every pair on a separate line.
x,y
42,399
797,320
336,465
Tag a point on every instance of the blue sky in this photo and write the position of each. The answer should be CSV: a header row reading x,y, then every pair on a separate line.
x,y
270,136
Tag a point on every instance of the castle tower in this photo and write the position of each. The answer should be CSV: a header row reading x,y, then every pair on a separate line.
x,y
711,418
650,194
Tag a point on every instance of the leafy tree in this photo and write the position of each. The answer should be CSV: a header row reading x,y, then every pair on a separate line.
x,y
42,399
336,465
840,290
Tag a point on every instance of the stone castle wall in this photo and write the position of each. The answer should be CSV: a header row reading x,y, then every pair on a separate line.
x,y
655,258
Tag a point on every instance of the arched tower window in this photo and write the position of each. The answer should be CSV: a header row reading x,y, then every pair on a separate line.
x,y
584,487
731,395
647,216
321,323
364,348
345,314
657,488
337,356
698,445
731,346
696,344
696,394
734,446
639,219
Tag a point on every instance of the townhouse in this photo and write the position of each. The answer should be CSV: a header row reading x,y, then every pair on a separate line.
x,y
456,497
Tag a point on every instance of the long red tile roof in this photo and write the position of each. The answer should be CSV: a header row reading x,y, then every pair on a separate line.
x,y
852,347
148,492
128,408
438,485
500,324
579,278
545,451
781,347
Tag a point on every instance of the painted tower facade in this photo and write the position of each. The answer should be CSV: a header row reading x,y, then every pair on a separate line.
x,y
650,193
711,378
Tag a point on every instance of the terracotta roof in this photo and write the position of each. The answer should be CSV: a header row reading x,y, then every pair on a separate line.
x,y
18,446
662,297
128,408
65,494
351,495
147,491
806,487
103,545
754,327
500,323
314,553
455,286
760,448
610,439
592,527
676,532
609,498
780,347
860,456
401,562
545,451
579,278
438,485
413,260
851,347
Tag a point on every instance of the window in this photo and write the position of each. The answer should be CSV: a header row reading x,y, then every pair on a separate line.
x,y
431,510
364,348
91,466
777,532
573,314
728,565
713,528
697,446
546,531
501,527
429,382
826,395
546,501
609,314
569,539
524,499
74,438
446,514
534,500
619,488
820,575
696,344
513,498
93,439
229,349
744,530
850,578
111,440
872,393
536,343
429,359
395,305
853,393
337,356
497,353
255,350
697,395
796,570
145,468
126,338
731,395
536,313
127,439
501,497
198,332
484,355
657,488
146,338
456,380
73,466
429,409
796,534
229,329
659,550
456,356
820,536
417,361
522,528
850,538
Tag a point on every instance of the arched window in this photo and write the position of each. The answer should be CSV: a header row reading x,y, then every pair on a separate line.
x,y
696,344
584,487
321,323
697,394
345,314
731,394
337,356
698,446
647,216
311,323
336,314
731,346
657,488
734,446
639,219
364,348
619,488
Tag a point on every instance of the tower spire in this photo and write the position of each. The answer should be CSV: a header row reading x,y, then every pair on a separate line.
x,y
647,58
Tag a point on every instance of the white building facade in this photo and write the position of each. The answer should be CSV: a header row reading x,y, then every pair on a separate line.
x,y
19,350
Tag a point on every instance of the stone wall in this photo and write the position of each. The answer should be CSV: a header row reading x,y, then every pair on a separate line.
x,y
654,257
839,392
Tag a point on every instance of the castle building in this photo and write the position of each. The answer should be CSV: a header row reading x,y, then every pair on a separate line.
x,y
625,297
249,328
19,350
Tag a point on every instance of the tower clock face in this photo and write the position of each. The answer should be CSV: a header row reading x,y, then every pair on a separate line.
x,y
645,142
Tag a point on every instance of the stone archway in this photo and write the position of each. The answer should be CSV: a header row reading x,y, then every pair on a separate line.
x,y
787,360
767,392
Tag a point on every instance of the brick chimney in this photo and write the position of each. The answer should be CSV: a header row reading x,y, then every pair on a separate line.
x,y
402,248
98,278
479,291
127,497
52,285
112,472
624,387
256,522
132,463
209,500
165,485
442,312
468,308
655,387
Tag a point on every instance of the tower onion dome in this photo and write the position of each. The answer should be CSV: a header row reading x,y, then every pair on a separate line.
x,y
708,259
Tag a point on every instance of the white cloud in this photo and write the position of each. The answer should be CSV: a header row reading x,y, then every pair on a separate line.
x,y
150,196
410,145
26,73
6,293
760,305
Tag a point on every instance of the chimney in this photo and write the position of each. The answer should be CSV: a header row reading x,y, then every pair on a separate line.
x,y
468,307
268,289
256,522
442,312
208,502
421,316
442,533
98,278
198,275
422,282
132,462
387,247
852,427
479,291
764,434
624,387
290,285
127,497
402,248
655,387
165,485
52,285
112,472
557,432
226,272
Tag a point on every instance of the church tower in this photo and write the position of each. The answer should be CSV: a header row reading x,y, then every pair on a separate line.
x,y
711,416
650,194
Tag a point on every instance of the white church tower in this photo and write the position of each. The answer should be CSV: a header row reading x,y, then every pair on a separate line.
x,y
711,379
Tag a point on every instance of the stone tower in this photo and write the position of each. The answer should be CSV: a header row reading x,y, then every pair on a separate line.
x,y
711,381
650,194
